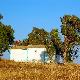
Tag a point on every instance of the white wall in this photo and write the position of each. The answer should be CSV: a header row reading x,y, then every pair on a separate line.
x,y
35,53
26,55
18,55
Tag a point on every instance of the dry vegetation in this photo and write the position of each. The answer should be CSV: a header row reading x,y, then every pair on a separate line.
x,y
10,70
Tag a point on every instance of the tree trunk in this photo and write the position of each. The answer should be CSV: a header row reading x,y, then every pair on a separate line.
x,y
65,48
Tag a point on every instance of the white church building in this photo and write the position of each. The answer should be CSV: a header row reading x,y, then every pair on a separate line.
x,y
28,53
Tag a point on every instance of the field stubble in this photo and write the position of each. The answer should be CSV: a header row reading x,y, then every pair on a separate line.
x,y
10,70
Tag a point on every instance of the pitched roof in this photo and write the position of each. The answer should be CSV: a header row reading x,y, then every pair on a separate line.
x,y
29,46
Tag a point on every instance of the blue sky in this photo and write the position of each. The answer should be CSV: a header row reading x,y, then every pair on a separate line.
x,y
23,15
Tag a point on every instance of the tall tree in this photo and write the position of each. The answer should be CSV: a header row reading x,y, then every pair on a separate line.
x,y
6,36
70,28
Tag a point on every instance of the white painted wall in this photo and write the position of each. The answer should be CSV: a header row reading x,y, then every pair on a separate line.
x,y
18,55
26,55
35,53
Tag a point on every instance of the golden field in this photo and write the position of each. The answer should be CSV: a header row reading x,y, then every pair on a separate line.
x,y
10,70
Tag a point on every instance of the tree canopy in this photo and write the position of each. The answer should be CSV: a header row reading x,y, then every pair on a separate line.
x,y
6,36
58,44
70,28
37,36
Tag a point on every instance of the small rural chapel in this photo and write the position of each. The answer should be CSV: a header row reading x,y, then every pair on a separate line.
x,y
29,53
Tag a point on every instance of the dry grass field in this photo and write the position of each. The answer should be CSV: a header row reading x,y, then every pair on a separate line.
x,y
10,70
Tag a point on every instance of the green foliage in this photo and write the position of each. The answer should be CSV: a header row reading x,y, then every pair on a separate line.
x,y
37,37
70,28
50,48
56,41
6,37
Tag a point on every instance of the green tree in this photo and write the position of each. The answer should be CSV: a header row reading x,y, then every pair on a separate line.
x,y
6,36
70,28
50,49
37,36
56,40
